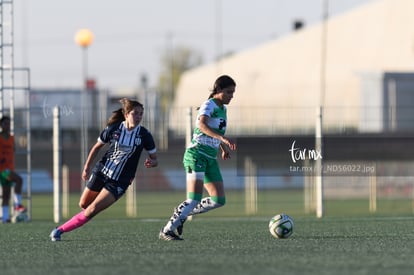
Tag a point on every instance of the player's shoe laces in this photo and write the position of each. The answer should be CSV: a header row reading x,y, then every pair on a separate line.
x,y
169,236
20,208
55,235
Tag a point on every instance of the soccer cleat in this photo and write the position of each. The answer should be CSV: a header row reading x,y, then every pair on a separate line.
x,y
6,221
55,235
169,236
181,227
20,208
182,221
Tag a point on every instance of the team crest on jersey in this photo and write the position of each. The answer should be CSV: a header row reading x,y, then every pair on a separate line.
x,y
138,141
116,134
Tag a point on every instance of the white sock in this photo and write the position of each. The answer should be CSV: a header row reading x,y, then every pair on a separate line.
x,y
180,214
205,205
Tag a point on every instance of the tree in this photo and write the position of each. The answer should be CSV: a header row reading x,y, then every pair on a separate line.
x,y
174,64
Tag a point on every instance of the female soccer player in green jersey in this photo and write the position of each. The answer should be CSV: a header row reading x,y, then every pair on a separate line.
x,y
200,159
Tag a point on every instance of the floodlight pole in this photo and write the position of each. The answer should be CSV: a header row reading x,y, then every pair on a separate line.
x,y
84,120
219,33
84,38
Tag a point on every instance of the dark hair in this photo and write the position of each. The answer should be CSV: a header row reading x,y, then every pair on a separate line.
x,y
222,82
127,106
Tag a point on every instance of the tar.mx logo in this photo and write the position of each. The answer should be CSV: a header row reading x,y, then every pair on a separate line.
x,y
302,154
64,110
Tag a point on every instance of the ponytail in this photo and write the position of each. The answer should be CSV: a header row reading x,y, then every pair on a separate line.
x,y
117,116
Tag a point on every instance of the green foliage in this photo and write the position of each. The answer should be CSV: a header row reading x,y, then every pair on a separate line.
x,y
173,65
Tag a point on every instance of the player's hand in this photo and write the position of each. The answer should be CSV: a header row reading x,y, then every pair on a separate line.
x,y
231,144
149,163
225,154
86,174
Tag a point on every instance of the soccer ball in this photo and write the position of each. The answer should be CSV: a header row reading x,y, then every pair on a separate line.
x,y
20,217
281,226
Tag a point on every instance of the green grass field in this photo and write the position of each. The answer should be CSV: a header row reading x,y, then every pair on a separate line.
x,y
225,241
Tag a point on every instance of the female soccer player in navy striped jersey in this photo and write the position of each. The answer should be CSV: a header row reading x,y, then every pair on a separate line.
x,y
200,159
112,175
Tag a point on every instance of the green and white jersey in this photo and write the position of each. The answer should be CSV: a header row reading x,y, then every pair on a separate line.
x,y
217,121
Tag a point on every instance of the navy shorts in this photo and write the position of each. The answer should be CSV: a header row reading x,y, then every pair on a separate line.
x,y
97,181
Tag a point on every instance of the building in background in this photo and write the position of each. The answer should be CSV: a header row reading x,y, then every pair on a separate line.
x,y
361,73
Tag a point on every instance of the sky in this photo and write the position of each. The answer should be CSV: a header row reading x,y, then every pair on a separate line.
x,y
131,36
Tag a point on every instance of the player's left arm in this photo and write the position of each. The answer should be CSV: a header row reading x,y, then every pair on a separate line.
x,y
149,145
225,153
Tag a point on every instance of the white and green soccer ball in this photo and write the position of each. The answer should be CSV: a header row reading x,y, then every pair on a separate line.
x,y
281,226
20,217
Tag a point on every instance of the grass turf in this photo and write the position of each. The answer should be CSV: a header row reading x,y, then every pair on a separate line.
x,y
349,240
213,246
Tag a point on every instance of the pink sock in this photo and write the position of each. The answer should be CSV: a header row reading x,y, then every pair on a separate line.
x,y
76,221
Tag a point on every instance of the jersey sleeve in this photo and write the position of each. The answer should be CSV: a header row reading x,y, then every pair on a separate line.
x,y
206,108
149,143
105,135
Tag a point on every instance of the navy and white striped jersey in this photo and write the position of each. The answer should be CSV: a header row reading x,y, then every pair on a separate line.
x,y
121,159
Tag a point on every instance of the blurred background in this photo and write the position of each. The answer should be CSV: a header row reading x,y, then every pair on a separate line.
x,y
328,81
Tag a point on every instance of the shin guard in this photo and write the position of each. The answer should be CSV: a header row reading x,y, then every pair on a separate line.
x,y
180,214
208,204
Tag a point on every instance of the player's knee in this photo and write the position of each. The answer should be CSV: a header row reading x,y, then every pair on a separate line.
x,y
90,211
83,204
